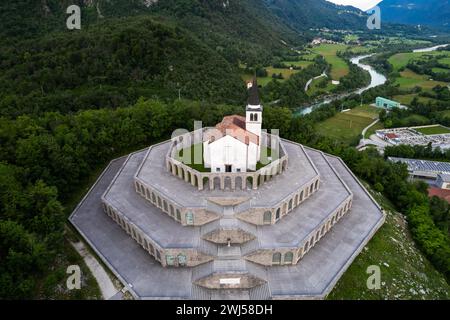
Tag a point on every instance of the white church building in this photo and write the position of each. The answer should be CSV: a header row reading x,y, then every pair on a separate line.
x,y
234,144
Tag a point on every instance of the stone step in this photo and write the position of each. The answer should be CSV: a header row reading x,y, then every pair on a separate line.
x,y
232,252
223,266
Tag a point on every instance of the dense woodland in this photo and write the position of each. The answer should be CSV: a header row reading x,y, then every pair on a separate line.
x,y
70,102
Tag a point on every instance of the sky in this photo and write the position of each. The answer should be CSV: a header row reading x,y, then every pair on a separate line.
x,y
361,4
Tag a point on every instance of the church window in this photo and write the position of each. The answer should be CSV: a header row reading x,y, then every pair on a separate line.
x,y
251,116
217,169
255,117
276,257
277,215
288,257
181,259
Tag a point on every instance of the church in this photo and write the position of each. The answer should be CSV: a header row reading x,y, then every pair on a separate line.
x,y
234,145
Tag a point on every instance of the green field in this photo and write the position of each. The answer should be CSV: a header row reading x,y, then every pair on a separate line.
x,y
406,99
314,89
405,273
262,81
440,70
400,60
347,126
300,63
409,79
339,67
433,130
445,114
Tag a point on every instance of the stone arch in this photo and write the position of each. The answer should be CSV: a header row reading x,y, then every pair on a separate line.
x,y
227,183
284,208
178,214
216,183
249,182
288,257
165,207
322,231
238,181
205,182
194,179
159,202
267,217
296,200
316,186
301,196
277,214
172,211
276,258
290,205
150,248
311,188
153,198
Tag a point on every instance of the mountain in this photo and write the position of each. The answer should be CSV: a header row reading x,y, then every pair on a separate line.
x,y
304,14
425,12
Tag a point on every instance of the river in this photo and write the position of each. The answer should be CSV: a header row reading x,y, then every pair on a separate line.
x,y
377,79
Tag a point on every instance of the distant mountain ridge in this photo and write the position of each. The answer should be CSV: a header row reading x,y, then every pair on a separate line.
x,y
305,14
426,12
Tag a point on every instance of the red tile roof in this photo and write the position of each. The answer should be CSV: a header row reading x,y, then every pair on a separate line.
x,y
391,136
235,126
440,193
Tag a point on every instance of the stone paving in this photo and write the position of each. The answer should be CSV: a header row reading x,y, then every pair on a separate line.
x,y
312,277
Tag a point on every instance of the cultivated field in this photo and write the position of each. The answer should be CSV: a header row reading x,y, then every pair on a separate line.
x,y
339,67
347,126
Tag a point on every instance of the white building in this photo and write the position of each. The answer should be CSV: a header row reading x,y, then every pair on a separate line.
x,y
234,144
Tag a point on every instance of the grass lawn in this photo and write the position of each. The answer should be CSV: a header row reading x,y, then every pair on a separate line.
x,y
405,272
196,148
301,63
445,114
406,99
262,81
400,60
409,79
346,126
445,60
433,130
339,67
440,70
287,73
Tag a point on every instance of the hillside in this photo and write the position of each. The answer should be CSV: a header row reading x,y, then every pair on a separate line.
x,y
428,12
305,14
112,65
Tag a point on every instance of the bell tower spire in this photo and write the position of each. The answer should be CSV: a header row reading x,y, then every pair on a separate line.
x,y
253,119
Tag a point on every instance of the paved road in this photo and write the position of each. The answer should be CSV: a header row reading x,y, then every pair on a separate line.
x,y
311,80
104,282
369,126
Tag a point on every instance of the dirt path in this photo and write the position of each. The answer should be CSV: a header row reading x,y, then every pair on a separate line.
x,y
104,281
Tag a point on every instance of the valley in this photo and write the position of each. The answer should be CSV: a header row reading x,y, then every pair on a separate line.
x,y
71,101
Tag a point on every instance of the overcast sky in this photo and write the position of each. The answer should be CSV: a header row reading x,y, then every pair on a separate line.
x,y
361,4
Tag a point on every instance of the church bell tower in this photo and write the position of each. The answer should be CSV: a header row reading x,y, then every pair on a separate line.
x,y
253,117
